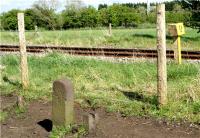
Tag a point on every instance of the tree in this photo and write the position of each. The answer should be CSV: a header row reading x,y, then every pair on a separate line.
x,y
45,13
76,14
72,14
169,6
104,17
1,26
101,6
71,18
59,21
194,7
116,14
121,15
178,14
9,20
177,8
29,18
88,17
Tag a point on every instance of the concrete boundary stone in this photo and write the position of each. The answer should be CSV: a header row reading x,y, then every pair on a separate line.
x,y
63,103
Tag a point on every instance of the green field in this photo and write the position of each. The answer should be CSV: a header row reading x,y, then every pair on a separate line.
x,y
122,38
128,88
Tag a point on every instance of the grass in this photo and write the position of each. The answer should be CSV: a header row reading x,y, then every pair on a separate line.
x,y
19,111
62,131
128,88
3,116
123,38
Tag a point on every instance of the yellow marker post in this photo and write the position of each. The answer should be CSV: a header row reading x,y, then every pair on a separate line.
x,y
176,30
179,50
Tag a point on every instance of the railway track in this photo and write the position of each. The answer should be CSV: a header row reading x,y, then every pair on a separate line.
x,y
107,52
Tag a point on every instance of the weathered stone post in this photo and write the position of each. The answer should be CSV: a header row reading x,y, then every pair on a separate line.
x,y
63,103
90,120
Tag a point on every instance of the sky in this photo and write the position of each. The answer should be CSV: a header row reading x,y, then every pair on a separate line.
x,y
6,5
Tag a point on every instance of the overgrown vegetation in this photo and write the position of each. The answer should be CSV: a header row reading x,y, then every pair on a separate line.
x,y
128,88
76,15
122,38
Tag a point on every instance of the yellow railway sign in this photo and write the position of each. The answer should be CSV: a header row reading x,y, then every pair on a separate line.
x,y
176,29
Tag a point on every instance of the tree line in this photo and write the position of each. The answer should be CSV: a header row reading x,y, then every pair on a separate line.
x,y
45,16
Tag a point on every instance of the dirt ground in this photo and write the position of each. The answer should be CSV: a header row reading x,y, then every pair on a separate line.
x,y
111,125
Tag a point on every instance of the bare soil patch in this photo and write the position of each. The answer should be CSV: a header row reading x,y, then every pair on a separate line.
x,y
110,125
7,102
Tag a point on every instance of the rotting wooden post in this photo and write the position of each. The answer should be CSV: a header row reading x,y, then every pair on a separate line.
x,y
161,61
110,29
23,54
63,103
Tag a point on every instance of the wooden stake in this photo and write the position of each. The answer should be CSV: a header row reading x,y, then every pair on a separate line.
x,y
110,29
161,48
23,54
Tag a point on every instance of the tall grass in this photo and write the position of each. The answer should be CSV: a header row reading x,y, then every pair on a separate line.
x,y
129,88
123,38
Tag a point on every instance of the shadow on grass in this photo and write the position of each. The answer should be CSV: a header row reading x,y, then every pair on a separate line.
x,y
150,36
168,37
15,83
143,35
140,97
191,38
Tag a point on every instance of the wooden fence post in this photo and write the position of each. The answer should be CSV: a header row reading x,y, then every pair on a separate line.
x,y
161,61
110,29
23,54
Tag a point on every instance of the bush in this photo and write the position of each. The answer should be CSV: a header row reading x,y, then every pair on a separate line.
x,y
175,17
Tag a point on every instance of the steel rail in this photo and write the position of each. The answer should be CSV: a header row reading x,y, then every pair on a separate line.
x,y
108,52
